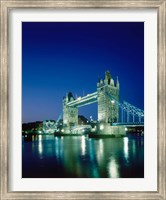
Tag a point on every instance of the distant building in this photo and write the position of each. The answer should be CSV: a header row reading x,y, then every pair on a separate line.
x,y
82,120
32,126
49,126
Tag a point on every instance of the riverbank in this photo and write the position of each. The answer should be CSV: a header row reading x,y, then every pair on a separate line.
x,y
29,137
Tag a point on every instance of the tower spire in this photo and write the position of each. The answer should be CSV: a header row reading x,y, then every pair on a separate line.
x,y
117,82
107,75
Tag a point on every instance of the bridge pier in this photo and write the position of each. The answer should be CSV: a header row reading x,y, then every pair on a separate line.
x,y
70,113
106,129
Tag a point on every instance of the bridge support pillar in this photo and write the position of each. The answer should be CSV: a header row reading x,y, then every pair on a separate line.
x,y
106,129
70,114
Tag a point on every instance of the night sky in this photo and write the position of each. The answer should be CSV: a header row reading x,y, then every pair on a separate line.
x,y
58,57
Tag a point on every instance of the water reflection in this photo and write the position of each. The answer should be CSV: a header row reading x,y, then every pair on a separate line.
x,y
58,148
100,149
81,157
113,168
40,147
83,145
126,147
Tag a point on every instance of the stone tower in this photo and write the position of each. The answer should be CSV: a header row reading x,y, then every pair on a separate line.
x,y
70,114
108,111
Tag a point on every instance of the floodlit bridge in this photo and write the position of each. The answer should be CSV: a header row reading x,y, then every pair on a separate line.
x,y
113,114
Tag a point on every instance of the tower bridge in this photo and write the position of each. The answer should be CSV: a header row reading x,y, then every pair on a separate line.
x,y
110,109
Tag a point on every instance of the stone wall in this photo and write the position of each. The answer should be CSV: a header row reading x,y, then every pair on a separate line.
x,y
106,129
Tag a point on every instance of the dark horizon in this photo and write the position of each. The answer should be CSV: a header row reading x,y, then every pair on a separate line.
x,y
58,57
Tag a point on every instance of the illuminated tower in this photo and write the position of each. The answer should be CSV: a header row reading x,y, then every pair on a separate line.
x,y
108,111
70,114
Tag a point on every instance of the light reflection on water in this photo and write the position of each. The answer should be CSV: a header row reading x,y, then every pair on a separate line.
x,y
125,140
113,168
83,145
40,146
82,157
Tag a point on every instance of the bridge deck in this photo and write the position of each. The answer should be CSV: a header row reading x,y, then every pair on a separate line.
x,y
82,101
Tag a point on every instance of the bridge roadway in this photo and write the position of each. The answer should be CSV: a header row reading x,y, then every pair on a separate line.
x,y
82,101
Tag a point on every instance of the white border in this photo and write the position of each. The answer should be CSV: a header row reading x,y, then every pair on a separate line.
x,y
149,182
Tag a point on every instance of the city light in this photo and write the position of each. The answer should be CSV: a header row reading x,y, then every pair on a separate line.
x,y
101,127
62,130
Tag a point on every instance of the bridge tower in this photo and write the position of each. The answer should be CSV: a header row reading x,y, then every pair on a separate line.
x,y
70,114
108,111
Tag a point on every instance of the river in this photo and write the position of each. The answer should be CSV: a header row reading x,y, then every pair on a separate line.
x,y
82,157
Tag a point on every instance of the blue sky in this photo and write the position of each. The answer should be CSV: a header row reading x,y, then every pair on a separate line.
x,y
58,57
